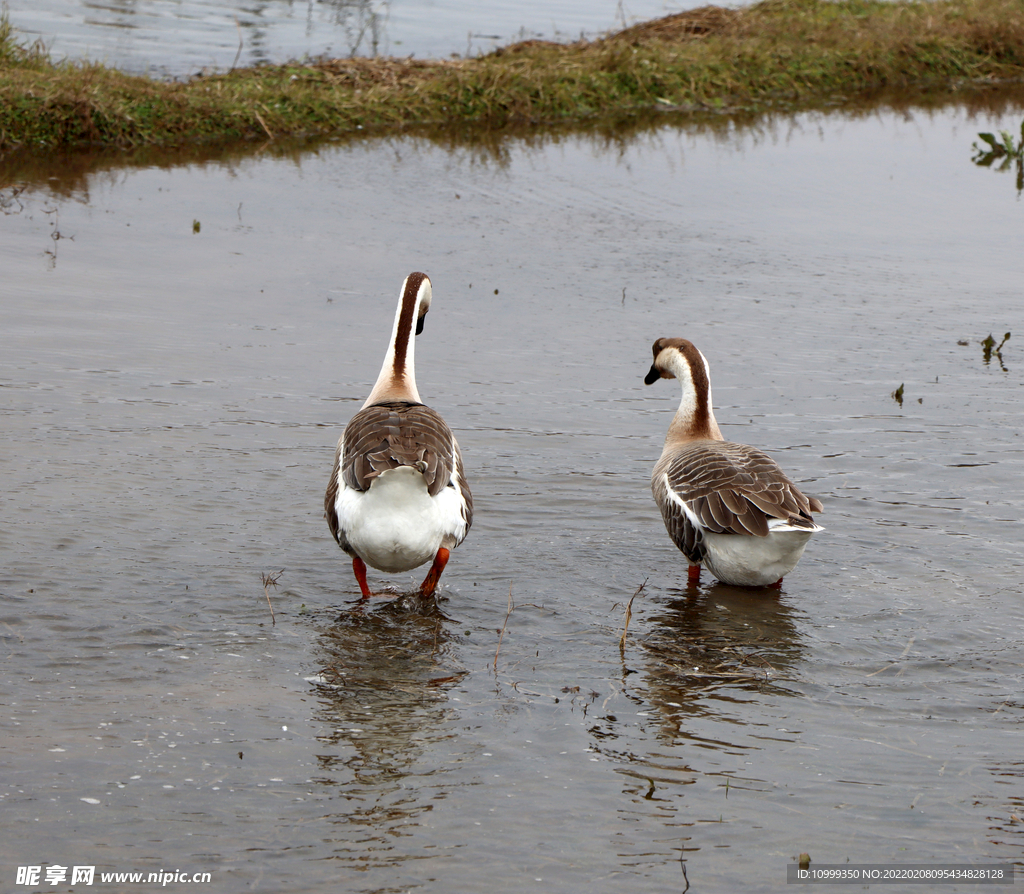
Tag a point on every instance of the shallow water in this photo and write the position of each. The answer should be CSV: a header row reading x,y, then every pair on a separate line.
x,y
180,37
171,400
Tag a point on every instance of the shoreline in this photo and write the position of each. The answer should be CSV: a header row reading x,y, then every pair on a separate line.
x,y
778,55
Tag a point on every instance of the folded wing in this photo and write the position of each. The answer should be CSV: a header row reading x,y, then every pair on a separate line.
x,y
390,435
722,487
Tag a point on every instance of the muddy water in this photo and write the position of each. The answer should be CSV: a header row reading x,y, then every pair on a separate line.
x,y
170,404
180,37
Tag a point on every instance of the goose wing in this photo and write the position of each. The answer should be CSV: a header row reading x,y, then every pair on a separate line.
x,y
723,487
389,435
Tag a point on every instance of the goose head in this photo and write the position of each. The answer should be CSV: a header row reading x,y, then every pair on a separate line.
x,y
419,284
678,358
413,304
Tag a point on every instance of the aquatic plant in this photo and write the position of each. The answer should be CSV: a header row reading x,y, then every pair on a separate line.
x,y
1005,150
270,580
990,349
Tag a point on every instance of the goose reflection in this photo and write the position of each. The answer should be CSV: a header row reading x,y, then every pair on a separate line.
x,y
384,685
708,645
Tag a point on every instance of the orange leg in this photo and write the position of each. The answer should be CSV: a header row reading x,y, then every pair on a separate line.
x,y
359,567
776,586
693,575
430,584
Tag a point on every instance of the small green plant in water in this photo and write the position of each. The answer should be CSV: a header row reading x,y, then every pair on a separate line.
x,y
1004,149
989,349
897,395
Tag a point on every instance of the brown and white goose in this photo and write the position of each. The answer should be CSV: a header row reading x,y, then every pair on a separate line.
x,y
727,506
398,495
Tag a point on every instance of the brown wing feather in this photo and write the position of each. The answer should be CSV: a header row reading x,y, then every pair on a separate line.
x,y
331,497
389,435
683,532
467,496
731,488
394,434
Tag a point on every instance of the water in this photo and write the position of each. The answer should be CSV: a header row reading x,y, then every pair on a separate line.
x,y
171,400
169,38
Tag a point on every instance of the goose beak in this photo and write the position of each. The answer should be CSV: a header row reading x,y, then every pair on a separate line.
x,y
652,376
419,324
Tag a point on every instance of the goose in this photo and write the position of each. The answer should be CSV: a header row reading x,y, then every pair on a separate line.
x,y
397,495
728,507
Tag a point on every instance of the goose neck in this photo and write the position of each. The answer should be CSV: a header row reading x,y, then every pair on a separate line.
x,y
397,379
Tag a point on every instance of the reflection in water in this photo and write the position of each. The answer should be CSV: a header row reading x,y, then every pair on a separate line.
x,y
990,349
714,638
1007,821
386,671
705,647
363,22
169,34
705,644
55,235
9,201
1004,149
71,173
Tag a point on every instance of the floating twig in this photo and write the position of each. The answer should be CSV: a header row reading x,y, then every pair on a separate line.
x,y
501,633
629,613
903,655
270,580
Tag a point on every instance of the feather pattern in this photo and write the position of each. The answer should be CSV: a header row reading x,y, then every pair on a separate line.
x,y
722,487
390,435
397,496
725,505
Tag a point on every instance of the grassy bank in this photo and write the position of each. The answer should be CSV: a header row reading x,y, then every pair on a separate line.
x,y
779,54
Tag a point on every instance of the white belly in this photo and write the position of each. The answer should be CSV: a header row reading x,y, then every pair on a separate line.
x,y
749,561
396,525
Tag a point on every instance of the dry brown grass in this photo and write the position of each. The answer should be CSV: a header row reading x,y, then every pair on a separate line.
x,y
778,54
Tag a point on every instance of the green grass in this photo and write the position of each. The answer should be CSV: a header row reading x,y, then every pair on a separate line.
x,y
778,54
